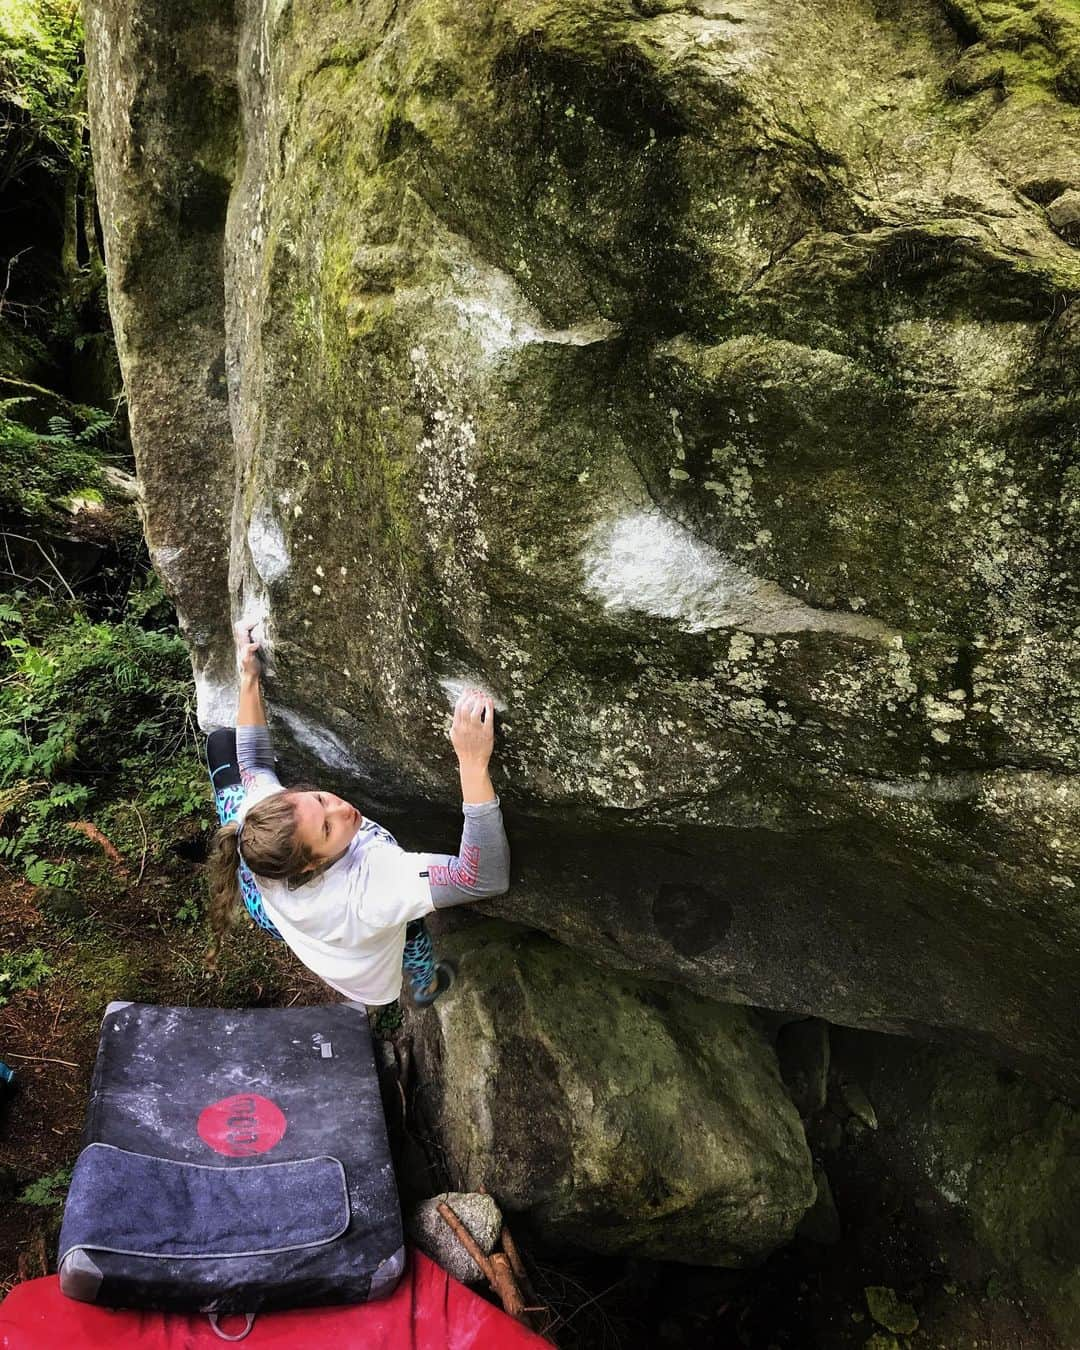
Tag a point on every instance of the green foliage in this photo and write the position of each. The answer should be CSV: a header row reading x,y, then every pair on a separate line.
x,y
79,696
37,817
149,605
22,970
42,105
190,912
178,789
38,469
80,701
47,1191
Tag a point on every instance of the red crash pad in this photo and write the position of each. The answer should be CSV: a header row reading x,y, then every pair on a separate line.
x,y
427,1311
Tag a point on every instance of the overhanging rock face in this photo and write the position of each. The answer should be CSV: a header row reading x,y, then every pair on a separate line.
x,y
704,386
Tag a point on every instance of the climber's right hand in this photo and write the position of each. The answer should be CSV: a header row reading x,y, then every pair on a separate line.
x,y
249,661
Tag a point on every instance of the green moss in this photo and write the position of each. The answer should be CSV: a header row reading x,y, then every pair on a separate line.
x,y
659,1067
996,1145
103,973
1035,45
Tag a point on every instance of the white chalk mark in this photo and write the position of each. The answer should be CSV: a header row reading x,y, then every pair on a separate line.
x,y
269,552
454,687
499,329
321,741
653,564
215,703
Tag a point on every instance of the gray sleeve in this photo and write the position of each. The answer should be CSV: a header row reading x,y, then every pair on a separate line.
x,y
482,866
254,753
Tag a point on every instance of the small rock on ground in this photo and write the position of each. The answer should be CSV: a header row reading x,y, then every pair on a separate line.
x,y
431,1233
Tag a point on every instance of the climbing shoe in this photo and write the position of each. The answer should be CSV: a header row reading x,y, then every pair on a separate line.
x,y
445,974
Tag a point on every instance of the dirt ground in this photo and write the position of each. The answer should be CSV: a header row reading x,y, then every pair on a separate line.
x,y
116,939
141,937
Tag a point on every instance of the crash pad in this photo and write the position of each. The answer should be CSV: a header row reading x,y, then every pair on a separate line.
x,y
428,1310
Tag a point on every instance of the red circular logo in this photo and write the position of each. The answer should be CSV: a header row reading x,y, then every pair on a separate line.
x,y
242,1125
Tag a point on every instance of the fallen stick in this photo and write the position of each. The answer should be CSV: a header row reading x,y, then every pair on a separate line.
x,y
96,837
145,846
43,1059
521,1276
517,1265
507,1288
495,1268
468,1242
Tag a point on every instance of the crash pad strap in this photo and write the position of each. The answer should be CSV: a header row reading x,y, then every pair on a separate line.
x,y
143,1206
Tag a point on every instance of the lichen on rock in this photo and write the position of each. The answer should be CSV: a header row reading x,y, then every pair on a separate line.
x,y
616,1113
502,287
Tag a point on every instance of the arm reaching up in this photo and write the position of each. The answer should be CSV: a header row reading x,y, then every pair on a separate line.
x,y
481,868
250,712
473,737
254,753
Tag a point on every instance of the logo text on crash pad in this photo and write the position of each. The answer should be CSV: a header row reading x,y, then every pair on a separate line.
x,y
241,1126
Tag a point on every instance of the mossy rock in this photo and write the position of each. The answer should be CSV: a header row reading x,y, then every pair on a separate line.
x,y
890,1311
988,1159
707,394
617,1113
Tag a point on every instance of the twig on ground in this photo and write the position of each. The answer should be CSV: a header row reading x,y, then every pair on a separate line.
x,y
179,956
495,1268
4,303
517,1266
468,1242
507,1289
25,539
42,1059
96,837
145,844
565,1321
404,1104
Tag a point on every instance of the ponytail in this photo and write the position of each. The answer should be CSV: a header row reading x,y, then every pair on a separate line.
x,y
270,849
222,863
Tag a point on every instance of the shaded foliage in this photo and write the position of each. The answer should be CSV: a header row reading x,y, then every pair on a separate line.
x,y
42,101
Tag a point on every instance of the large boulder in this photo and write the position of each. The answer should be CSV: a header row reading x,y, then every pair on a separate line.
x,y
704,387
617,1113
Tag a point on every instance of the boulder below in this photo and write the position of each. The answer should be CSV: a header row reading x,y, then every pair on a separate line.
x,y
619,1113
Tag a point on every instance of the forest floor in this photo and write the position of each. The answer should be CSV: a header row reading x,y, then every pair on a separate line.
x,y
135,930
121,936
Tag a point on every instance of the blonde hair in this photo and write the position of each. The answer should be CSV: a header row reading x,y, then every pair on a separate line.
x,y
270,848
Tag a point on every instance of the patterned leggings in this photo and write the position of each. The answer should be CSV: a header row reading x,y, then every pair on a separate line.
x,y
418,960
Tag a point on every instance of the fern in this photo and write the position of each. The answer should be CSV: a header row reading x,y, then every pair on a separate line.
x,y
22,970
42,468
80,701
47,1191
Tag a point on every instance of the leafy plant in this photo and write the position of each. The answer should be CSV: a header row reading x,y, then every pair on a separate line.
x,y
37,814
41,468
179,789
47,1191
190,912
22,970
80,702
42,107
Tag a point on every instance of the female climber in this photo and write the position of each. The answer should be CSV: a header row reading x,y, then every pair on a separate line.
x,y
334,885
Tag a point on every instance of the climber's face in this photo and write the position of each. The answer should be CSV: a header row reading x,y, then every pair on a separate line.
x,y
325,823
